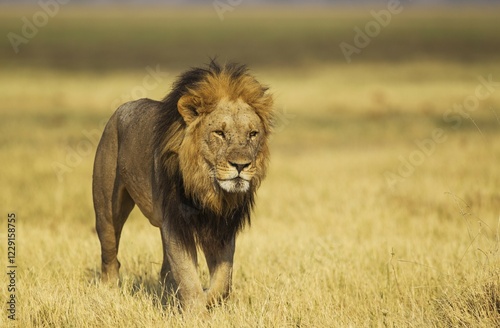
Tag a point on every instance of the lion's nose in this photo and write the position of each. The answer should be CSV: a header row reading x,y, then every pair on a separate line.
x,y
239,166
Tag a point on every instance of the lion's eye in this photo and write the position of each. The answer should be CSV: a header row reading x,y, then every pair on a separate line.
x,y
253,134
220,133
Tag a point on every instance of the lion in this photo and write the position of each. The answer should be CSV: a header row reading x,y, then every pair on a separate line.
x,y
192,164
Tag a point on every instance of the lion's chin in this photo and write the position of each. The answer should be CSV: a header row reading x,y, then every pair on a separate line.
x,y
234,185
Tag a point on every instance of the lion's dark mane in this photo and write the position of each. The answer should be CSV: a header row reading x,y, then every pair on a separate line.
x,y
185,215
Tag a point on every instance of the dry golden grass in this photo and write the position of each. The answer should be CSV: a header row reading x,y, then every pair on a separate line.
x,y
331,244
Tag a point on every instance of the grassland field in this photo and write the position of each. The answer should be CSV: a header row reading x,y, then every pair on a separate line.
x,y
382,204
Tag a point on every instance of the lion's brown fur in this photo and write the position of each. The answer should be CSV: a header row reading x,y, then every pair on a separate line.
x,y
209,212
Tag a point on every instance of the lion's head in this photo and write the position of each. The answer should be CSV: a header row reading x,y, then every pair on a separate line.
x,y
222,137
230,139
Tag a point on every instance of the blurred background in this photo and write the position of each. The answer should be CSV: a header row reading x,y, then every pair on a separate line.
x,y
387,138
125,35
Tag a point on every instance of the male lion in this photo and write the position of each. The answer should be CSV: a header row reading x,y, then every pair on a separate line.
x,y
192,164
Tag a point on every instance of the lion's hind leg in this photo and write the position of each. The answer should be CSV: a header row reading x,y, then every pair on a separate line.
x,y
110,218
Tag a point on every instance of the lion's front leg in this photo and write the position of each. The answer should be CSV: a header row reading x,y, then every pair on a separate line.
x,y
182,261
220,265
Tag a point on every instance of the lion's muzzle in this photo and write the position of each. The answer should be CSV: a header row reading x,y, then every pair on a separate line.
x,y
235,176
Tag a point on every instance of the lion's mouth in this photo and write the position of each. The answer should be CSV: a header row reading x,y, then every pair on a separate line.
x,y
237,184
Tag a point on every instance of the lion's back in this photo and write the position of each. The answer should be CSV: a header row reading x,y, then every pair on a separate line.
x,y
128,142
137,116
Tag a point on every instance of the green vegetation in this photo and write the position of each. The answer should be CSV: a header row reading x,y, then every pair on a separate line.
x,y
334,242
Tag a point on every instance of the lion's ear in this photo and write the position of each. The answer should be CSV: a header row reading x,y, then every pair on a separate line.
x,y
187,107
